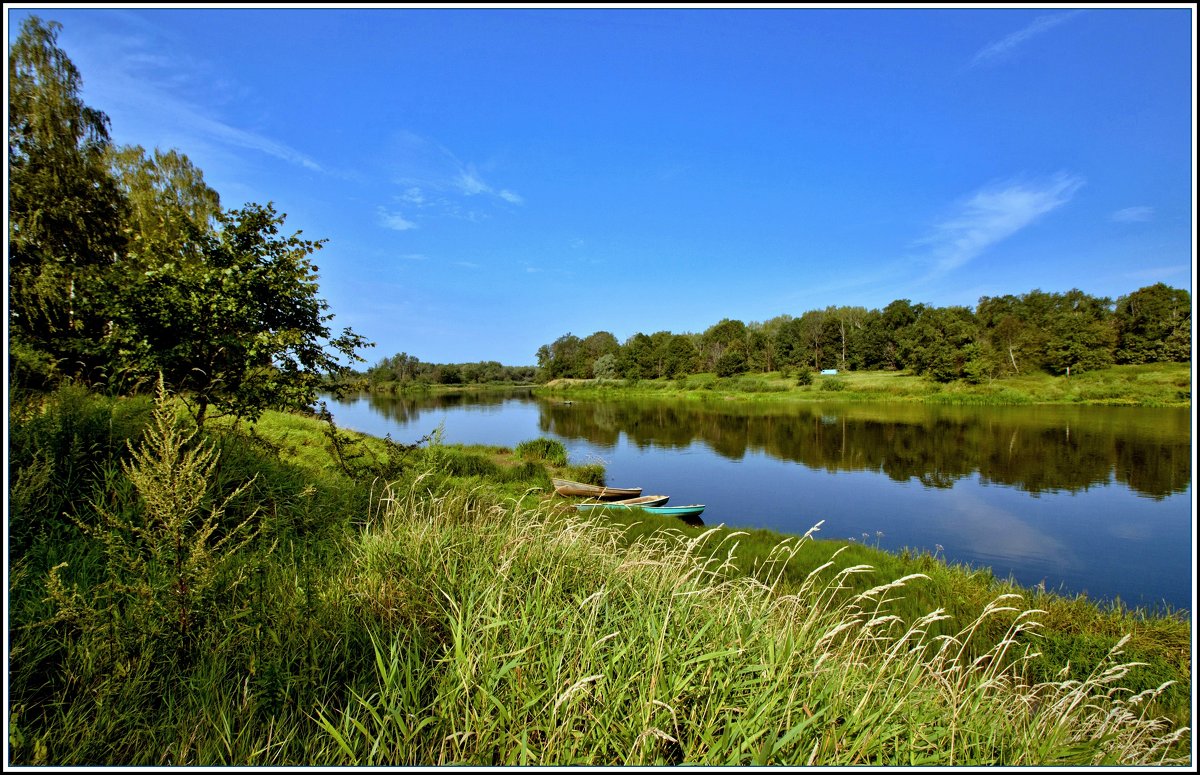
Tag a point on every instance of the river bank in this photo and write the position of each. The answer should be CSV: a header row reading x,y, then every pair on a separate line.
x,y
436,604
1150,385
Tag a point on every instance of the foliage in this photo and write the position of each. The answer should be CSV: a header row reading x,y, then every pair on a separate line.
x,y
1154,324
245,330
164,558
360,462
1005,336
124,267
65,214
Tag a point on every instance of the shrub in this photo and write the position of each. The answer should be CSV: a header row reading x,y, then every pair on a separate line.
x,y
804,376
833,384
550,451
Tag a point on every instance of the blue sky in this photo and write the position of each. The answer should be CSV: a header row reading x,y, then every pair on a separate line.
x,y
491,179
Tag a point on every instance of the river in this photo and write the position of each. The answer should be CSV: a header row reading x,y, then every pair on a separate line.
x,y
1082,499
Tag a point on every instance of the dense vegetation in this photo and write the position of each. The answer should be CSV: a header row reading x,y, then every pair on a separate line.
x,y
124,266
287,593
404,372
1056,333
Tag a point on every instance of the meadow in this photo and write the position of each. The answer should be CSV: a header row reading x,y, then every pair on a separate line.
x,y
1156,385
290,593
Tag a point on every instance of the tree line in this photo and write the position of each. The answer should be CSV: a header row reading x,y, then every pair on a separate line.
x,y
1056,333
124,265
403,370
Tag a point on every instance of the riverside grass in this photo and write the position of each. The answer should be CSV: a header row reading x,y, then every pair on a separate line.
x,y
562,644
460,618
1151,385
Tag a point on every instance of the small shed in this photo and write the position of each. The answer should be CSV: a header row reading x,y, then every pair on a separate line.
x,y
829,371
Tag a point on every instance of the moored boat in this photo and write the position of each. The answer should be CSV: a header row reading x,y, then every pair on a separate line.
x,y
567,487
683,512
628,503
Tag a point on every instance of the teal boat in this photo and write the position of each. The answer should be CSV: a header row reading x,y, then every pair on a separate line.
x,y
683,512
628,503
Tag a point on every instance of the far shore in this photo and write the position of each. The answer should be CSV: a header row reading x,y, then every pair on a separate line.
x,y
1152,385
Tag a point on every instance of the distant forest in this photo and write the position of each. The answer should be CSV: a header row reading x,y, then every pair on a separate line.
x,y
1057,333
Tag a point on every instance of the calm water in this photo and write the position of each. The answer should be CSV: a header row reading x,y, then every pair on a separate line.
x,y
1084,499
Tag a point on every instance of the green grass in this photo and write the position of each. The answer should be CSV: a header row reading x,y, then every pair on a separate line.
x,y
460,614
1159,385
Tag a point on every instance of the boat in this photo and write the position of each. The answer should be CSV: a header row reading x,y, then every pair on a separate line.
x,y
567,487
627,503
683,512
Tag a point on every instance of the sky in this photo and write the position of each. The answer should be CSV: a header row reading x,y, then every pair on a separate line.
x,y
491,179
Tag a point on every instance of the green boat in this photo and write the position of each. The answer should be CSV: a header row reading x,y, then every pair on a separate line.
x,y
686,513
628,503
683,512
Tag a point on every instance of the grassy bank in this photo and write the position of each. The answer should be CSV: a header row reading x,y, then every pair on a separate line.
x,y
348,600
1159,385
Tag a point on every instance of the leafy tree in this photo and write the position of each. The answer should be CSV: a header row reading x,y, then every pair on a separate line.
x,y
1083,336
168,203
732,362
636,359
244,330
1154,324
789,342
892,334
679,355
565,358
813,339
65,212
605,367
1005,326
939,342
726,337
598,344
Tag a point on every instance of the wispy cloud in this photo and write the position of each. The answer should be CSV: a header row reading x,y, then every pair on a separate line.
x,y
394,221
1133,214
995,213
433,176
1001,49
154,91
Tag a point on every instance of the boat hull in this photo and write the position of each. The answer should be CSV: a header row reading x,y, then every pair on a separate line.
x,y
567,487
630,503
684,512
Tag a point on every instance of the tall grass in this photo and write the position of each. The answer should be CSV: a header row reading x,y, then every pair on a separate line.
x,y
449,618
516,638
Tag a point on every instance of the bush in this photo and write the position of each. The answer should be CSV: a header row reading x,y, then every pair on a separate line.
x,y
546,450
833,384
804,376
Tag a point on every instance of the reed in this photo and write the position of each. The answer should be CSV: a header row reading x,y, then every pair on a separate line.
x,y
516,637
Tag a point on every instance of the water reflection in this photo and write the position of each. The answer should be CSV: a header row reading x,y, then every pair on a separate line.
x,y
1035,449
1086,499
1041,449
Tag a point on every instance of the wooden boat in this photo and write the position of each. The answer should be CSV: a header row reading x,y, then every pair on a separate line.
x,y
628,503
683,512
567,487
